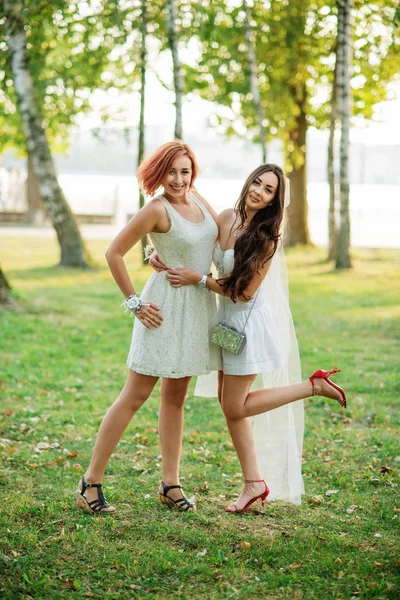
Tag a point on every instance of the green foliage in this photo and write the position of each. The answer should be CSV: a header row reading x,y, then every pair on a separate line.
x,y
63,364
295,46
72,51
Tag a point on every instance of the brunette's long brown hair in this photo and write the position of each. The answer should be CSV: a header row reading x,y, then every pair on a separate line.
x,y
259,242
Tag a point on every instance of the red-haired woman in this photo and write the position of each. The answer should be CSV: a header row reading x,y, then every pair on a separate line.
x,y
172,326
254,301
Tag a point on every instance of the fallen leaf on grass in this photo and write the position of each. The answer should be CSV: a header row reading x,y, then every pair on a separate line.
x,y
330,492
77,467
377,535
202,487
384,470
318,499
245,545
42,446
295,566
202,553
352,508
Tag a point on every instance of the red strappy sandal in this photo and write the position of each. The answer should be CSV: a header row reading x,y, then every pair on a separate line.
x,y
325,375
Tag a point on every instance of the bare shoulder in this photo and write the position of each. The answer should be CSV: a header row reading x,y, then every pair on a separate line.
x,y
226,216
154,206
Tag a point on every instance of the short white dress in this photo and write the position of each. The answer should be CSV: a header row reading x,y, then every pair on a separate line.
x,y
181,346
272,353
261,352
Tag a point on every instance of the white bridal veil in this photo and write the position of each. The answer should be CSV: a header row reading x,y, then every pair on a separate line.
x,y
279,432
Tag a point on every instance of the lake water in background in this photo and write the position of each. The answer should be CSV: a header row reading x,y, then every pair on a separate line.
x,y
375,209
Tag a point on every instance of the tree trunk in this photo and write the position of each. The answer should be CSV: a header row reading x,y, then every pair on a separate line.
x,y
173,44
143,59
255,90
297,231
343,260
73,252
332,226
36,213
5,288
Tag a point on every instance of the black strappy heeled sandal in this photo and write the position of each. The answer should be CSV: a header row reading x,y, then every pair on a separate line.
x,y
98,505
180,504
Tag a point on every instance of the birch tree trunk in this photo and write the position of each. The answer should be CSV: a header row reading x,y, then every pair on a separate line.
x,y
343,260
143,60
36,212
73,252
332,226
5,288
255,90
297,231
173,44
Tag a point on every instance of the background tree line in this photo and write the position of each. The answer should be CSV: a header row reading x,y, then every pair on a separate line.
x,y
275,67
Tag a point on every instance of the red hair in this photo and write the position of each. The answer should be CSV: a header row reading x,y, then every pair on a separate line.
x,y
154,169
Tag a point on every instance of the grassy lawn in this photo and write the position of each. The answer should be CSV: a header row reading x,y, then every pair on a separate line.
x,y
63,363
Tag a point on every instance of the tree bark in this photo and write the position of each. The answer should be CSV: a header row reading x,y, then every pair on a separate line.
x,y
5,288
36,213
343,259
73,252
255,90
178,85
141,142
332,222
297,231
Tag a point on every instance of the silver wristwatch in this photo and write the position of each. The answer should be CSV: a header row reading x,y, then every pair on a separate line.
x,y
203,282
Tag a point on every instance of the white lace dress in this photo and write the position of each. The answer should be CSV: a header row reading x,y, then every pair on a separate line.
x,y
181,346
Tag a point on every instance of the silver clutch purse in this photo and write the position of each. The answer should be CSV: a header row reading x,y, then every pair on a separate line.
x,y
228,338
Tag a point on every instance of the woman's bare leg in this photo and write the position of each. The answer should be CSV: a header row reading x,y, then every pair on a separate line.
x,y
243,439
170,429
135,392
261,401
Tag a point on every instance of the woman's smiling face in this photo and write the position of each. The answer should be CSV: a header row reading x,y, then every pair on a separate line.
x,y
262,191
177,181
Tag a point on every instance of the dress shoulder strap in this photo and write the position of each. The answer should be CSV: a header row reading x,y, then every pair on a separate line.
x,y
169,210
199,204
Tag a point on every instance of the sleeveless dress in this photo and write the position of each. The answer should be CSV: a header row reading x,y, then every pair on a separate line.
x,y
262,351
181,346
272,352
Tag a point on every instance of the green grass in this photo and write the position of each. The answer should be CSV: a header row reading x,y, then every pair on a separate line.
x,y
63,363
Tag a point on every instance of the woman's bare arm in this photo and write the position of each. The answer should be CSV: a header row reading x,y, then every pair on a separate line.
x,y
179,277
148,219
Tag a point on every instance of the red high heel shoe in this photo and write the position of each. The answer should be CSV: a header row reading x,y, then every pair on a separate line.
x,y
261,497
325,375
